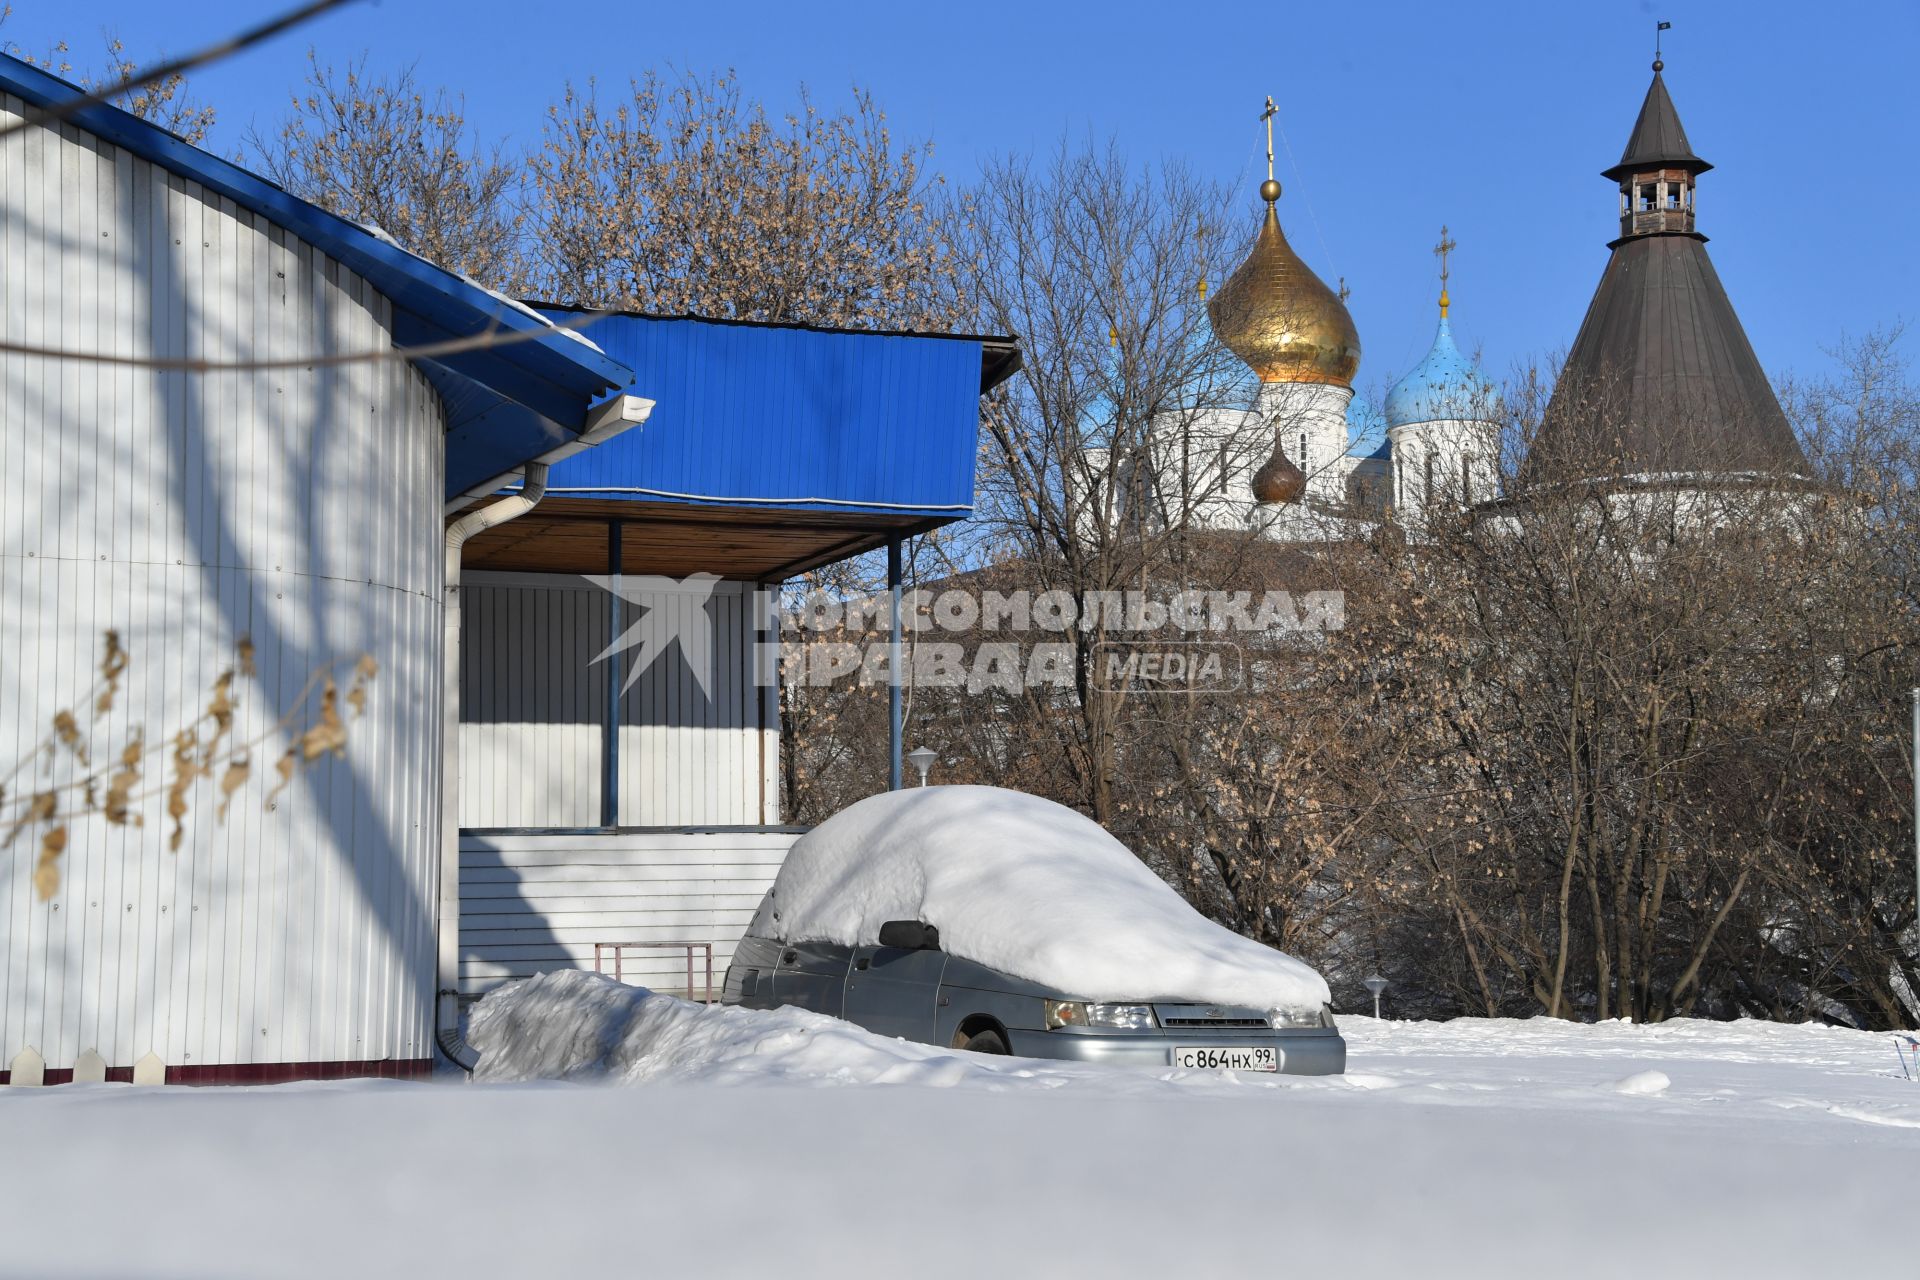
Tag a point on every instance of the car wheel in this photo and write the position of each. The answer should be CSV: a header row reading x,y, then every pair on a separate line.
x,y
986,1042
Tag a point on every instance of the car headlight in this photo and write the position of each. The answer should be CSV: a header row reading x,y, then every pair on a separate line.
x,y
1299,1019
1112,1017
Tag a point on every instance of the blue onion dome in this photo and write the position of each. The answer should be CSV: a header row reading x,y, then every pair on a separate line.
x,y
1443,387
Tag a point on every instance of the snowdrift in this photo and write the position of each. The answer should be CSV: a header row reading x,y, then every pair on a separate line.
x,y
1028,887
574,1025
1787,1149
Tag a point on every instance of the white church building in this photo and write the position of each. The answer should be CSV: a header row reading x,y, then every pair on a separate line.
x,y
1289,465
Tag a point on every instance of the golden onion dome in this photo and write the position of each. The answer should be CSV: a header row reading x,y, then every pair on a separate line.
x,y
1276,315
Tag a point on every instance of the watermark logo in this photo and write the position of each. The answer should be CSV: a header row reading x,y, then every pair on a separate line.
x,y
956,610
658,627
1117,641
1197,666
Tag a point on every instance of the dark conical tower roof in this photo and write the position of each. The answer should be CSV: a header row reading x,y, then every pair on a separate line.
x,y
1662,378
1658,141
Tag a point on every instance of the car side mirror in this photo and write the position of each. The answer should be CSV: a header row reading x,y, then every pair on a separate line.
x,y
909,935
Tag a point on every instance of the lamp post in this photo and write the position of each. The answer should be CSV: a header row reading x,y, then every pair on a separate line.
x,y
1376,984
921,758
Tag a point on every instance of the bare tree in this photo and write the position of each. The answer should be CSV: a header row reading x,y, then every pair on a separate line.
x,y
165,102
380,150
1640,736
1097,265
1843,908
685,198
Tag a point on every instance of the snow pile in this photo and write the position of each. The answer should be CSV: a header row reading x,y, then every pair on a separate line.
x,y
1028,887
574,1025
383,235
1643,1084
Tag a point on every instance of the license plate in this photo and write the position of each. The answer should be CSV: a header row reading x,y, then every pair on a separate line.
x,y
1227,1058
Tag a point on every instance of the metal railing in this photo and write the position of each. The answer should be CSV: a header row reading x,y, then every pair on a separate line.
x,y
600,949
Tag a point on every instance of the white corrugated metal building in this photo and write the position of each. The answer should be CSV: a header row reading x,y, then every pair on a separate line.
x,y
299,505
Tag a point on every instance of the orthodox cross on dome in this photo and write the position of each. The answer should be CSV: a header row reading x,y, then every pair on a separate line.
x,y
1440,251
1267,118
1270,189
1274,313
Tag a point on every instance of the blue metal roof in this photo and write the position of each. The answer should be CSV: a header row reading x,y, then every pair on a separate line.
x,y
505,404
788,418
1443,387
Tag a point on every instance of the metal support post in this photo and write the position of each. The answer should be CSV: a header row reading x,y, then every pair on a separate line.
x,y
896,731
610,733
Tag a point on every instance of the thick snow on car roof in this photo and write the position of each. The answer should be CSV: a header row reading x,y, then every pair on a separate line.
x,y
1025,886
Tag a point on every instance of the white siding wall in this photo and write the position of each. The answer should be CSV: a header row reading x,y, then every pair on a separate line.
x,y
533,903
298,506
533,710
687,756
532,707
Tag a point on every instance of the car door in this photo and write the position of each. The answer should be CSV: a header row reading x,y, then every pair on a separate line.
x,y
892,992
812,975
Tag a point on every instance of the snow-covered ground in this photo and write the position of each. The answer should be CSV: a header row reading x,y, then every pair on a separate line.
x,y
724,1142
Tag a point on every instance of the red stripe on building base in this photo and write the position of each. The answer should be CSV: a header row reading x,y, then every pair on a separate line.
x,y
265,1072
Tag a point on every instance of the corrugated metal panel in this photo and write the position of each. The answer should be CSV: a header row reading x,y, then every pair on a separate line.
x,y
689,755
300,507
535,903
552,374
533,710
809,420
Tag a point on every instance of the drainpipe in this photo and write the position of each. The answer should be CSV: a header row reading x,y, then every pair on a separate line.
x,y
447,1006
896,736
605,421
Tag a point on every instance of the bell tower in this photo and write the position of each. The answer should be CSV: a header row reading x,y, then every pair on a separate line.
x,y
1657,171
1661,379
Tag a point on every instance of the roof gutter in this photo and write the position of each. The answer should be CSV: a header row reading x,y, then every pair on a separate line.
x,y
604,422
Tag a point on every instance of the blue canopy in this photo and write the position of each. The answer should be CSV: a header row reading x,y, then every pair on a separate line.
x,y
786,417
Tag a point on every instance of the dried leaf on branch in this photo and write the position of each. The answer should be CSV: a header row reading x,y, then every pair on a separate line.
x,y
46,871
113,664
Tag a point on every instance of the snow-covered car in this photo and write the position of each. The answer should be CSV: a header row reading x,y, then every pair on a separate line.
x,y
991,920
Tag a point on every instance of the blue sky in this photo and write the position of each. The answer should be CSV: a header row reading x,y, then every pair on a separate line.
x,y
1492,118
